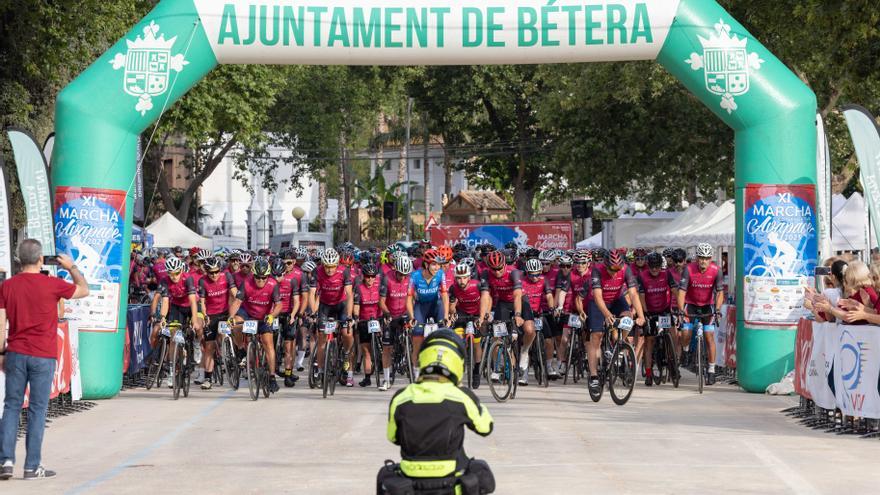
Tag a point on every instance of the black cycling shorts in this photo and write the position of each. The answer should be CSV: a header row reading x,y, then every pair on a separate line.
x,y
212,330
392,330
704,313
363,330
288,327
336,311
180,314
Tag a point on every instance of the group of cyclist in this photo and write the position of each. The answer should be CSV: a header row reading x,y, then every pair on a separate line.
x,y
423,287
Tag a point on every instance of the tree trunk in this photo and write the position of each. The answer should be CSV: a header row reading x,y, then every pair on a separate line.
x,y
426,141
523,194
322,197
342,206
523,198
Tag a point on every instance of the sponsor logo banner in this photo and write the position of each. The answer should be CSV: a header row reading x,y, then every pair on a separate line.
x,y
542,235
779,250
89,226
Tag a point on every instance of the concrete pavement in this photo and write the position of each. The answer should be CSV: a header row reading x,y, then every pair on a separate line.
x,y
547,441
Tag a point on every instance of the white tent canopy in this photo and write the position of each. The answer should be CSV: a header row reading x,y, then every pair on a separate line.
x,y
168,231
649,239
717,230
593,242
837,202
848,230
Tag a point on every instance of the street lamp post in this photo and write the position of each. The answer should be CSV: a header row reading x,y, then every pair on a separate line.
x,y
409,104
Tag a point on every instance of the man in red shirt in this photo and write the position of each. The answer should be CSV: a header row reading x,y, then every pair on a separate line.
x,y
29,302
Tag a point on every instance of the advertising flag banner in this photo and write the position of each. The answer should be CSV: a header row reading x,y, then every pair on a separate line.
x,y
89,224
866,141
779,252
856,371
542,235
823,189
803,352
31,166
820,365
6,246
138,186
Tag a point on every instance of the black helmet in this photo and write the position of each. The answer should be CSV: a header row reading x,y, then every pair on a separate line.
x,y
369,270
655,260
278,267
679,255
261,267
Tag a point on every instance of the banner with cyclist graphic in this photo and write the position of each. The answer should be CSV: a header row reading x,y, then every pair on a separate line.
x,y
89,224
779,252
542,235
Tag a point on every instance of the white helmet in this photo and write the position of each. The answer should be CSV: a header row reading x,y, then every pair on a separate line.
x,y
330,257
704,250
462,270
203,254
403,265
468,262
246,258
534,266
308,266
174,264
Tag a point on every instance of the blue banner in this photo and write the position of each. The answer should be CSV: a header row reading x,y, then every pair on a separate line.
x,y
139,337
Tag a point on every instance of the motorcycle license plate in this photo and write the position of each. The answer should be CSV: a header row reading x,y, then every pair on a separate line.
x,y
539,324
430,328
223,327
250,327
664,322
373,326
166,332
330,327
469,329
499,329
574,321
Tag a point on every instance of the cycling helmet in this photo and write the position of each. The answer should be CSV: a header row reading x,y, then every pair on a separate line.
x,y
511,245
213,264
667,253
369,270
533,253
346,258
308,267
246,258
431,256
565,260
629,254
403,265
193,251
202,255
261,267
640,253
615,258
510,256
442,354
278,267
235,255
495,260
581,256
548,256
679,255
330,257
462,270
302,253
704,250
468,262
655,260
174,264
534,266
445,251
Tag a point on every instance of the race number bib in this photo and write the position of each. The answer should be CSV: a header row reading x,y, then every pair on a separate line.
x,y
276,325
373,326
574,321
329,327
539,324
499,329
223,328
250,327
178,337
430,328
626,324
166,332
469,329
664,322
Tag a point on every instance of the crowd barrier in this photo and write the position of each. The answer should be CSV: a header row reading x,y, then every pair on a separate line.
x,y
137,345
837,376
725,345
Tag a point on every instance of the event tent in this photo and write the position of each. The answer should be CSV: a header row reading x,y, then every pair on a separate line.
x,y
168,231
591,243
837,202
649,239
718,230
695,223
848,226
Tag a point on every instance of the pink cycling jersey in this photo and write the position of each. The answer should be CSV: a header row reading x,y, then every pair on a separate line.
x,y
699,286
258,302
331,288
467,300
216,294
395,293
366,298
501,288
658,296
535,290
613,286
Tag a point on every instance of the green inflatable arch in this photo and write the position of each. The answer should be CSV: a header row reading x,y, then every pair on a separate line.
x,y
100,115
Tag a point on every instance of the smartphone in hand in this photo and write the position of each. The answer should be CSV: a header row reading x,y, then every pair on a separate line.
x,y
51,261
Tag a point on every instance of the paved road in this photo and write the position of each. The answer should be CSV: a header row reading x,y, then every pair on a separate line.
x,y
547,441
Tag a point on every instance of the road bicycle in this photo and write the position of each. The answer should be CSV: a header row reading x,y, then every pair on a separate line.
x,y
182,363
617,363
537,359
503,362
468,332
665,366
332,357
374,328
156,371
228,356
257,366
698,346
577,359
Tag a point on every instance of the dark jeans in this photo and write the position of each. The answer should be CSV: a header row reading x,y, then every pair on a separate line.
x,y
22,369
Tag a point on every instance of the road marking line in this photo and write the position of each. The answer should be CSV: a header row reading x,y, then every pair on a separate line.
x,y
781,469
134,459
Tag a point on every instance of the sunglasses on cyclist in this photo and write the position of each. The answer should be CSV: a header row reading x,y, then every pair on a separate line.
x,y
564,266
214,272
260,278
289,262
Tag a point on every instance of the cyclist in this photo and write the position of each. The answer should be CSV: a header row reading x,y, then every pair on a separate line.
x,y
569,283
427,420
505,287
244,269
177,302
395,304
698,281
159,270
289,292
215,289
536,292
447,265
611,285
366,308
469,298
258,298
293,259
656,287
331,291
428,298
640,264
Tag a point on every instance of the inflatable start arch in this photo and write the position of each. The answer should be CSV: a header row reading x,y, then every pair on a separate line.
x,y
101,114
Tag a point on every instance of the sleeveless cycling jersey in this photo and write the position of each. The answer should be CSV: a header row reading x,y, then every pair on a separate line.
x,y
178,293
467,300
425,291
658,296
501,288
534,291
395,293
573,284
160,272
331,288
613,286
287,288
258,302
367,300
216,294
700,287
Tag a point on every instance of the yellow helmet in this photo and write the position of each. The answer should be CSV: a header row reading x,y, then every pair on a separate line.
x,y
442,354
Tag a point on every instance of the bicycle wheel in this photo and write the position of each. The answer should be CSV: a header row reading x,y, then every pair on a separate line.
x,y
187,367
313,369
233,372
540,363
157,359
329,361
672,362
469,363
264,370
622,377
377,359
701,342
252,377
571,346
177,365
500,363
407,364
659,367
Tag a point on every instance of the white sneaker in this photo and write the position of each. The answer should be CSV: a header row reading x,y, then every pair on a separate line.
x,y
169,383
524,363
561,369
495,377
524,379
385,386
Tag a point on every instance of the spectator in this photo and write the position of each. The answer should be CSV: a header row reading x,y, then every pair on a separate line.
x,y
823,304
29,302
859,300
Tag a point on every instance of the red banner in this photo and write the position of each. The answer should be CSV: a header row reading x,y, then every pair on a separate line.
x,y
63,365
730,343
542,235
803,349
